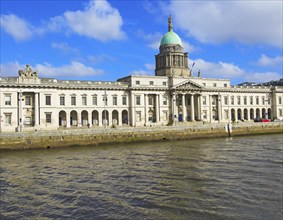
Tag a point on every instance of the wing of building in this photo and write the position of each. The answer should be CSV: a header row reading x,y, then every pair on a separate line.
x,y
172,96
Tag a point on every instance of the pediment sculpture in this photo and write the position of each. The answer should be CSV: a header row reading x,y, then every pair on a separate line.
x,y
28,72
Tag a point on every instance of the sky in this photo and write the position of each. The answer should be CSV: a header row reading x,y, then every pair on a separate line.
x,y
108,40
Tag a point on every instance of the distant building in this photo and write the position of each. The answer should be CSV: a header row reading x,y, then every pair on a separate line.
x,y
172,96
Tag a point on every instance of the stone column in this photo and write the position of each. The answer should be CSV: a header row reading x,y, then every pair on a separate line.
x,y
145,108
20,104
219,108
36,118
157,108
173,107
79,118
132,107
200,107
90,118
100,122
210,108
68,119
184,109
110,122
192,108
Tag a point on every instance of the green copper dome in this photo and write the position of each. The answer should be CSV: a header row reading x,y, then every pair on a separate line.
x,y
171,38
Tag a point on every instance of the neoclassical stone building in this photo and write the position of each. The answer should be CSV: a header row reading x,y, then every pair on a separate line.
x,y
172,96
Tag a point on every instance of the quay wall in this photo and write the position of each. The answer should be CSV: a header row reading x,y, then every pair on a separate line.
x,y
95,136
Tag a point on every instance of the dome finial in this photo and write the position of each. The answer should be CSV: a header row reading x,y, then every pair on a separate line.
x,y
170,23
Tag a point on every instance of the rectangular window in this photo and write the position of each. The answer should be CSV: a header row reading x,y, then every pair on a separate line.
x,y
8,118
262,100
225,84
214,85
226,100
204,100
137,82
204,84
280,112
84,100
164,83
7,99
94,100
48,117
232,100
138,100
114,100
27,100
47,100
105,100
245,100
280,100
124,100
151,83
165,100
73,100
251,100
62,100
239,100
150,101
138,116
204,114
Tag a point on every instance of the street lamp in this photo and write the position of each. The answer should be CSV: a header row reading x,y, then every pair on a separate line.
x,y
266,101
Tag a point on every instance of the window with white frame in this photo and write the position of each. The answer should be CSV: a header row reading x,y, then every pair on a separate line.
x,y
138,100
48,117
225,84
62,100
280,112
279,100
8,99
151,83
165,100
94,99
257,100
84,100
251,100
114,100
262,100
165,115
73,100
47,99
8,118
27,100
204,100
105,100
138,82
226,100
204,84
214,85
164,83
150,100
204,113
245,100
124,100
232,100
239,100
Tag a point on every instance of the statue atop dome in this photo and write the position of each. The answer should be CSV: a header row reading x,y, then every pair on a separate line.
x,y
170,27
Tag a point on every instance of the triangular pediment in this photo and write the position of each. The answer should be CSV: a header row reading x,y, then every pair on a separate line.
x,y
188,85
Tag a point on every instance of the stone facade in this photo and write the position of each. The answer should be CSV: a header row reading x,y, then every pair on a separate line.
x,y
172,96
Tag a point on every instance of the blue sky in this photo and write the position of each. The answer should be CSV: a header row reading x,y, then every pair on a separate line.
x,y
107,40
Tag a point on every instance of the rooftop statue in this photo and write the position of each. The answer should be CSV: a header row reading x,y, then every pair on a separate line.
x,y
28,72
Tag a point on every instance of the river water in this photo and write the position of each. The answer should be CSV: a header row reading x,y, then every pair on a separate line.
x,y
236,178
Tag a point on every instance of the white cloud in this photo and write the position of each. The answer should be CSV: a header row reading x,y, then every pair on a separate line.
x,y
74,69
17,27
148,72
99,20
230,71
10,69
221,21
64,47
270,61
